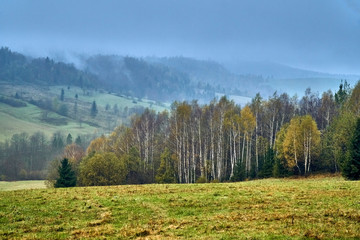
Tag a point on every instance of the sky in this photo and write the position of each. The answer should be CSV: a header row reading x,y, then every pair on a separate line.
x,y
320,35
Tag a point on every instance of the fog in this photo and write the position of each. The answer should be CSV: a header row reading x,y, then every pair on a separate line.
x,y
321,35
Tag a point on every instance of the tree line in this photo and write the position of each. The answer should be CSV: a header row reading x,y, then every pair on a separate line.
x,y
28,157
221,141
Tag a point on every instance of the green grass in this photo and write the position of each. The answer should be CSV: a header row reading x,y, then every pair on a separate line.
x,y
321,208
19,185
28,119
102,98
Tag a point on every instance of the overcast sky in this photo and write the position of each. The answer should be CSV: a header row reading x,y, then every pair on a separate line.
x,y
322,35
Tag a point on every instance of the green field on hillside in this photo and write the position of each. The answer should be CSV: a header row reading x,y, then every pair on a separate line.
x,y
28,119
102,98
319,208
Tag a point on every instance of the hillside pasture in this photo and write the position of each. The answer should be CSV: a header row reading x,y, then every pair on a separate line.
x,y
28,119
316,208
103,98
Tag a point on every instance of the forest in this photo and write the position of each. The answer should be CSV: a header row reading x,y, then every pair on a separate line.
x,y
27,157
220,141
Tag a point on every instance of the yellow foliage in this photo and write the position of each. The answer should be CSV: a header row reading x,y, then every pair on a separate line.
x,y
248,120
301,141
98,145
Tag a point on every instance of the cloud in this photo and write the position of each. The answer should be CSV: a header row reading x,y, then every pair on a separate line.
x,y
319,35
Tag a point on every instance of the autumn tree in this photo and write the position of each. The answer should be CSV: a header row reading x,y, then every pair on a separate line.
x,y
327,110
280,164
102,169
248,123
74,153
99,144
301,143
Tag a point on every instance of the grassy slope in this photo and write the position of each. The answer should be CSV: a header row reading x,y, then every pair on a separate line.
x,y
104,98
27,119
263,209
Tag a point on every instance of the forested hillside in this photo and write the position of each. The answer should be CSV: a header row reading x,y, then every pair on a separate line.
x,y
136,77
17,68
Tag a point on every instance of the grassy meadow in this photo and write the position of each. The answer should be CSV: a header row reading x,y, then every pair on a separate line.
x,y
102,98
20,185
314,208
29,119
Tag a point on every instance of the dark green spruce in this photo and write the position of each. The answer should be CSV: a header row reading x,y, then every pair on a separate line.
x,y
351,168
67,177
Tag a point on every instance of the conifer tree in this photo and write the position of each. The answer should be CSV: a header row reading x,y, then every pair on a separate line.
x,y
166,172
94,110
62,95
351,169
69,139
67,177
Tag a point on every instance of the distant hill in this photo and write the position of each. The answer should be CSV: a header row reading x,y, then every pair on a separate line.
x,y
136,77
280,71
17,68
202,72
167,79
292,80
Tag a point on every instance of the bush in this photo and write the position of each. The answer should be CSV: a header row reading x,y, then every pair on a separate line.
x,y
201,180
101,170
13,102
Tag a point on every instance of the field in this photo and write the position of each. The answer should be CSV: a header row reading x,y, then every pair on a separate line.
x,y
319,208
103,98
29,119
19,185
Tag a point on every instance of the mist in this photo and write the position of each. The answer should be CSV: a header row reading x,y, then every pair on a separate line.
x,y
315,35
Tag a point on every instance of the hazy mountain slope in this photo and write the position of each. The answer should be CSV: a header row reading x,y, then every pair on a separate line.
x,y
17,68
136,77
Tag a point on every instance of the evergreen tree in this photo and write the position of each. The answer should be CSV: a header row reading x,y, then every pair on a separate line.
x,y
67,177
78,140
116,109
69,139
342,94
166,172
94,110
351,169
75,109
62,95
268,167
239,172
